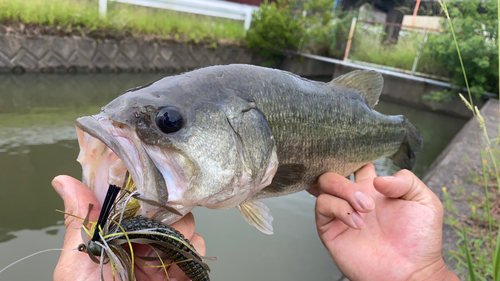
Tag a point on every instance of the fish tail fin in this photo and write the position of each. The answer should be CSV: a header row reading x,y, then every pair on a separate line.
x,y
412,143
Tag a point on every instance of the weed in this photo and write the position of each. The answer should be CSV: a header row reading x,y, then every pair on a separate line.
x,y
475,23
477,249
83,17
460,189
448,202
367,47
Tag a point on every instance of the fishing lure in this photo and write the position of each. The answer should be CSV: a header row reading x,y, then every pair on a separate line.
x,y
117,226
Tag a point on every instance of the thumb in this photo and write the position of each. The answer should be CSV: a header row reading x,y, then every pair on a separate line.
x,y
77,198
75,194
405,185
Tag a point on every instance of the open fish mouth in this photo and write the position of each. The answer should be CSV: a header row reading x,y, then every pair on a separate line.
x,y
109,150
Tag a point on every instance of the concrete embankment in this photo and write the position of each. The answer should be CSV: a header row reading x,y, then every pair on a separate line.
x,y
457,171
20,53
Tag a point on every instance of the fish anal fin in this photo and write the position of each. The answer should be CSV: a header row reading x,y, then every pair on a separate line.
x,y
368,83
257,214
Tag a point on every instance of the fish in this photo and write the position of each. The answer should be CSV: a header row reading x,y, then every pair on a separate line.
x,y
229,136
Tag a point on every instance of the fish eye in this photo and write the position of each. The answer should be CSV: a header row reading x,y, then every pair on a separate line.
x,y
169,119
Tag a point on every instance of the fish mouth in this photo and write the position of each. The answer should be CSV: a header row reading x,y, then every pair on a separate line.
x,y
109,150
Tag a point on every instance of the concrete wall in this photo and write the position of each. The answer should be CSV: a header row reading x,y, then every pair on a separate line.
x,y
20,53
424,21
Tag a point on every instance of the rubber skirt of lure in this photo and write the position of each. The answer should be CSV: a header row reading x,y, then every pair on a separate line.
x,y
179,252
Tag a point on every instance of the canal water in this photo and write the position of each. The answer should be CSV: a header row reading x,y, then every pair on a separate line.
x,y
38,142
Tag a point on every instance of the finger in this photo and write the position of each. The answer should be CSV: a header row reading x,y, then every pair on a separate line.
x,y
185,225
77,198
329,207
314,190
365,173
338,186
405,185
198,243
177,273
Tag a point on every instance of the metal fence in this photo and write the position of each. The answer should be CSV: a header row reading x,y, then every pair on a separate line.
x,y
215,8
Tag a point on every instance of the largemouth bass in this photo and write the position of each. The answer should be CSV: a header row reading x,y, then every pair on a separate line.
x,y
227,136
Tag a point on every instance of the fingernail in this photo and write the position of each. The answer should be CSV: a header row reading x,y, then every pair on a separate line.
x,y
387,177
58,187
357,220
364,201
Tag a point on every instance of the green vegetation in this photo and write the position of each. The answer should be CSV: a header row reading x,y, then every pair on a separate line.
x,y
475,23
274,26
282,26
367,47
73,16
324,30
477,249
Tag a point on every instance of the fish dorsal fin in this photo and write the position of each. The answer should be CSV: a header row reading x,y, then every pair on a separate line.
x,y
257,214
369,84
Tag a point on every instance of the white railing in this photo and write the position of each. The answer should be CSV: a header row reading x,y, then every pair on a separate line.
x,y
215,8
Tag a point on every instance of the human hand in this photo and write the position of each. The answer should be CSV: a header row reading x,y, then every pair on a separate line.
x,y
74,265
381,228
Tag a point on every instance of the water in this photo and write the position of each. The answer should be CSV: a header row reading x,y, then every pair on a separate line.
x,y
38,142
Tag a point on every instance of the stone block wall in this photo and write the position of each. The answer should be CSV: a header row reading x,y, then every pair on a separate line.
x,y
20,53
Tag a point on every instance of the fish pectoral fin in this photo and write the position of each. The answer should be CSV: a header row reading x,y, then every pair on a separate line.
x,y
369,83
257,214
289,173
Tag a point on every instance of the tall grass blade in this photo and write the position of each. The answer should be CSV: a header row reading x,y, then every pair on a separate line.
x,y
477,118
469,258
496,259
496,256
498,45
445,9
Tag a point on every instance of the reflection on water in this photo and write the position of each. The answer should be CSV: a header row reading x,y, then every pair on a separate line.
x,y
38,142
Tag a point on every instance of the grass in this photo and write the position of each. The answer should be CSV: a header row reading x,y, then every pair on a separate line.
x,y
367,47
122,19
478,251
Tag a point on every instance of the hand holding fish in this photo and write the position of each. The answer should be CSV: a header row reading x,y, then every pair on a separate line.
x,y
381,228
75,265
